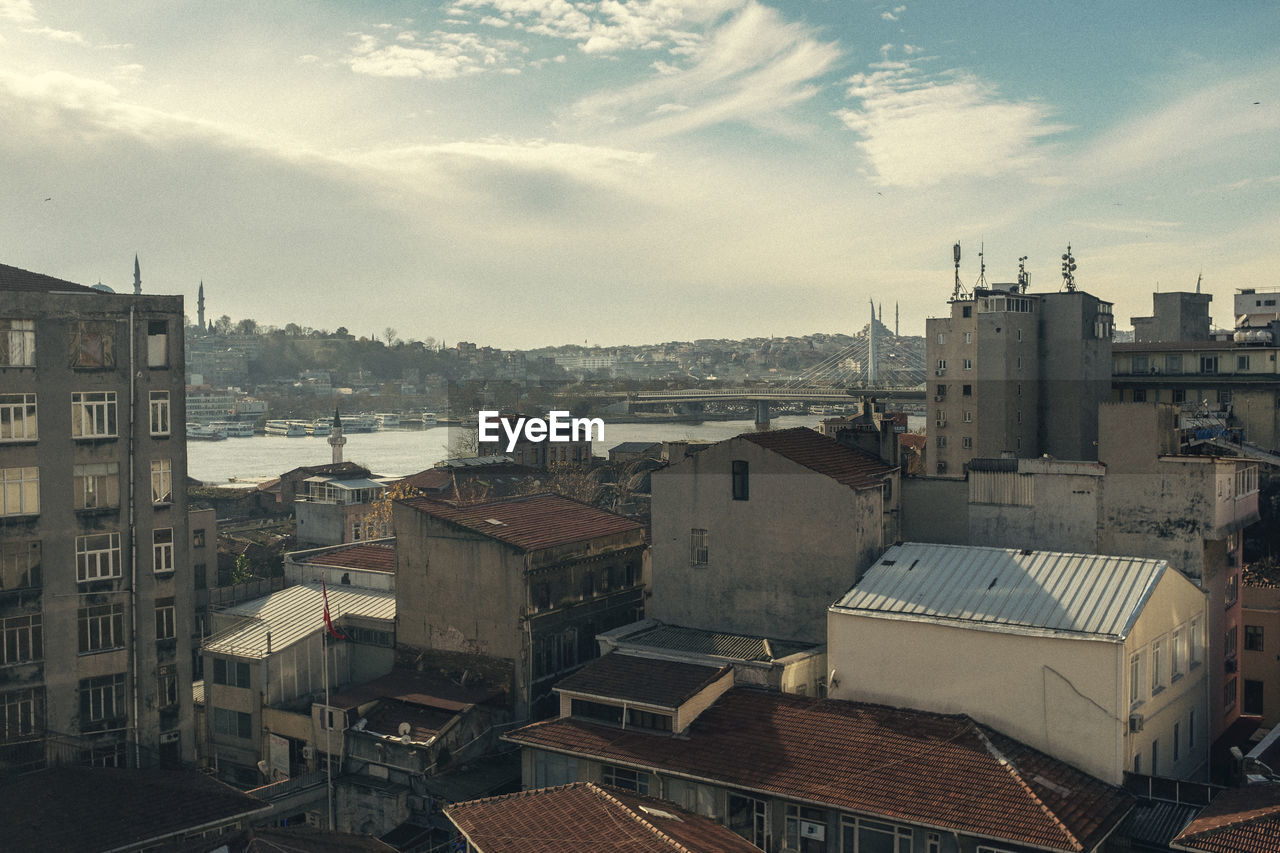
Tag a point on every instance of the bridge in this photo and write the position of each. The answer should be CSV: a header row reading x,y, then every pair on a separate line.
x,y
762,396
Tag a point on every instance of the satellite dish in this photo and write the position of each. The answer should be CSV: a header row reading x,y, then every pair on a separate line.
x,y
264,768
404,729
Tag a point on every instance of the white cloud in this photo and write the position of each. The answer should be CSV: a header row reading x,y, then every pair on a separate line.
x,y
63,36
20,11
308,59
917,129
438,55
750,69
893,15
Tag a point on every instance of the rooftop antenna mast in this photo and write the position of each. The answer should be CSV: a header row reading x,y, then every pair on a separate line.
x,y
982,265
959,288
1199,279
1069,271
1024,277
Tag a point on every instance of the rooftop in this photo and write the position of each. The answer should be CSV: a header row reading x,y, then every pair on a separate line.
x,y
587,817
942,770
1239,820
293,614
104,803
12,278
854,468
744,647
365,556
629,678
416,688
530,522
1004,589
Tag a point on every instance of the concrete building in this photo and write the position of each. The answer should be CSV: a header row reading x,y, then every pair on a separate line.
x,y
525,583
1256,305
1260,641
1016,373
335,509
760,533
792,773
1097,661
1143,498
95,566
1178,316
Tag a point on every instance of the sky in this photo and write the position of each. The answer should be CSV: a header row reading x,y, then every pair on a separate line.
x,y
522,173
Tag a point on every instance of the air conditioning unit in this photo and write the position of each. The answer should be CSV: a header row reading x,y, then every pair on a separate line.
x,y
941,422
308,752
938,399
1135,722
1231,665
940,372
416,803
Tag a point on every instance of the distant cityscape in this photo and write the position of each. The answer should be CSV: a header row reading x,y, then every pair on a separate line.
x,y
1016,590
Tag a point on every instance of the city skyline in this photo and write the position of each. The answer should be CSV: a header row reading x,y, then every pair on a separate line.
x,y
526,173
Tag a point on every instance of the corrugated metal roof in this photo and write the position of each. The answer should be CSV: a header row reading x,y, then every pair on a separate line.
x,y
13,278
698,641
815,451
294,613
1007,589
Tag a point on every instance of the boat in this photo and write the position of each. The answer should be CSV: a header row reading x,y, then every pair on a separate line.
x,y
234,429
429,419
201,432
320,426
359,423
387,420
289,428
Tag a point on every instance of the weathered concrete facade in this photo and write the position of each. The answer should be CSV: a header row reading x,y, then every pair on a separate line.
x,y
768,565
96,587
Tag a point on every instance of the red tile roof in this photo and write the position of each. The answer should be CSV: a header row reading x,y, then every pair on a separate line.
x,y
855,468
530,522
940,770
584,818
665,683
1239,820
416,688
377,558
12,278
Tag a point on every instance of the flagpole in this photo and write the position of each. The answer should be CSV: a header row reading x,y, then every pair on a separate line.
x,y
328,729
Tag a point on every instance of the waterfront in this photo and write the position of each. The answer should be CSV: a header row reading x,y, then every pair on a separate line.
x,y
406,451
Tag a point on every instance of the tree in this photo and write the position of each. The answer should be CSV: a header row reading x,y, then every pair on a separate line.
x,y
464,442
380,519
247,327
223,326
390,335
243,572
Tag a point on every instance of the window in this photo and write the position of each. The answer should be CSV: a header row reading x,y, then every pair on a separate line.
x,y
1195,643
698,552
101,699
93,345
966,390
1019,362
1173,364
1233,588
1208,364
19,491
96,485
17,343
1135,678
157,343
637,719
233,723
1137,762
942,339
625,779
159,412
167,686
741,480
942,391
1191,729
749,818
968,337
1177,742
1179,395
968,364
197,538
1019,415
101,628
968,416
1252,698
161,481
165,626
869,836
1019,389
1246,481
98,556
1157,673
1140,395
232,673
21,713
1253,638
1140,364
20,564
967,442
1231,642
1155,757
1019,334
1242,362
942,364
23,639
966,311
162,549
1229,694
18,417
1175,654
93,414
806,830
942,441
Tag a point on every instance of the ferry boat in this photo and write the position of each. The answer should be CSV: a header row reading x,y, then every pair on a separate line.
x,y
234,429
429,419
320,426
200,432
289,428
359,423
387,420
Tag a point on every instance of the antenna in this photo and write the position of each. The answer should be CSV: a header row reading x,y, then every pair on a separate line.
x,y
959,288
1024,277
982,265
1199,279
1068,271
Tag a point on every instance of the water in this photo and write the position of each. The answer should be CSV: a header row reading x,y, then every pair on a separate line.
x,y
407,451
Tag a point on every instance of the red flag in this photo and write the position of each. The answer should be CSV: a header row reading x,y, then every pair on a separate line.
x,y
328,622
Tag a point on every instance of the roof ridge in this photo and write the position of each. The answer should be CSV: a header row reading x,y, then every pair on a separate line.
x,y
1241,821
522,793
1016,774
599,791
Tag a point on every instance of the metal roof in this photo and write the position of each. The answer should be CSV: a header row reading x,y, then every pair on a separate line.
x,y
1004,589
294,613
703,642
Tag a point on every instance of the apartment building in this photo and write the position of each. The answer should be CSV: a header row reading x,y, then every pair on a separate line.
x,y
95,571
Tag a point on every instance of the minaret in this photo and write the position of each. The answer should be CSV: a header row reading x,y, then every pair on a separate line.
x,y
336,438
200,308
137,276
895,319
872,374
